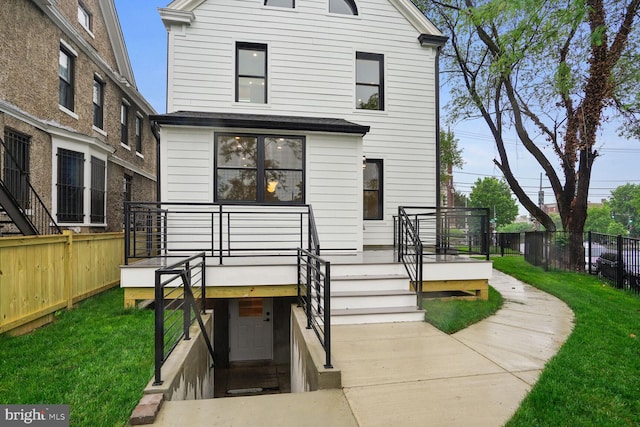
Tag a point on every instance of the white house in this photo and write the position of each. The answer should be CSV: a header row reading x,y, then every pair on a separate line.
x,y
329,105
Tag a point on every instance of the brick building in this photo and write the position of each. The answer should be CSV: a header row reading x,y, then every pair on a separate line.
x,y
71,118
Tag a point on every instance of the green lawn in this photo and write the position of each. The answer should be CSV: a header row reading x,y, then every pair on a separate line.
x,y
97,358
450,316
594,380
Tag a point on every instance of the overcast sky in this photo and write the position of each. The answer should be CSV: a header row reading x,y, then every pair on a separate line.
x,y
146,41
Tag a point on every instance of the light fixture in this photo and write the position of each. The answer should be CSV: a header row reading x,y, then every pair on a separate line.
x,y
271,186
364,162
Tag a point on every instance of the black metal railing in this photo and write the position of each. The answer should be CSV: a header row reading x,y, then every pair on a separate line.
x,y
410,250
507,244
21,202
219,230
180,296
314,296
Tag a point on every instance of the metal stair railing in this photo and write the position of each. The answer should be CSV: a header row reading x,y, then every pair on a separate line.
x,y
20,200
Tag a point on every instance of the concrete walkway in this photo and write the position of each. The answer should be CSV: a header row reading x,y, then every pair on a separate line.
x,y
411,374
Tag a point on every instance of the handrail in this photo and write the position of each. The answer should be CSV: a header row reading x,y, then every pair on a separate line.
x,y
39,216
220,230
314,296
175,300
410,251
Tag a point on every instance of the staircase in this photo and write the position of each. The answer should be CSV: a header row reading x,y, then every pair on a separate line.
x,y
372,293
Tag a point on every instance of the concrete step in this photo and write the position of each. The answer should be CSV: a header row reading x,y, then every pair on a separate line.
x,y
372,299
376,315
367,269
354,283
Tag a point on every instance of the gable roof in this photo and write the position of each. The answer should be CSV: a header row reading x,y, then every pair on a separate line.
x,y
407,8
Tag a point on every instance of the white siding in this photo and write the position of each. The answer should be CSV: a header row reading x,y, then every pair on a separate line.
x,y
311,72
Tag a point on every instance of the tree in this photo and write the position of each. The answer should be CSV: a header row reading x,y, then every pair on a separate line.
x,y
550,68
450,157
625,207
494,194
517,227
598,219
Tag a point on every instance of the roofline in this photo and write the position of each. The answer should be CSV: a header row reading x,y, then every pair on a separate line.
x,y
253,123
116,37
50,8
432,40
414,15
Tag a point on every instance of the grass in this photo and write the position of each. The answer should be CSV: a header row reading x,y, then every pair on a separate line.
x,y
594,380
96,358
453,315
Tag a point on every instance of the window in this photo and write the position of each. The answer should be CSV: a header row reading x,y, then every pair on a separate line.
x,y
124,124
66,73
345,7
98,103
128,181
369,81
16,166
372,183
139,134
263,169
251,69
280,3
70,186
84,17
97,190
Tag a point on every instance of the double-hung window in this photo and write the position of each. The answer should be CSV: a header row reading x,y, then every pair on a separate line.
x,y
369,81
98,190
70,186
259,169
66,73
251,73
372,183
124,124
98,103
84,16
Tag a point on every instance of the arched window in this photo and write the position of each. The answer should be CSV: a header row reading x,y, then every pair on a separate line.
x,y
345,7
280,3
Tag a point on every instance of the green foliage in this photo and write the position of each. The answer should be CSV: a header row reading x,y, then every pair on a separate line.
x,y
494,194
517,227
450,316
592,380
96,358
598,219
625,202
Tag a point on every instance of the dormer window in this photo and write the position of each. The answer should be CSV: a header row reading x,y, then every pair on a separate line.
x,y
280,3
344,7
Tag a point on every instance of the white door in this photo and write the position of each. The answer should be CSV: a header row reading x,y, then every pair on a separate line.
x,y
250,329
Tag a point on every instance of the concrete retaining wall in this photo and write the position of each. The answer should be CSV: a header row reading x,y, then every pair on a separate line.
x,y
307,358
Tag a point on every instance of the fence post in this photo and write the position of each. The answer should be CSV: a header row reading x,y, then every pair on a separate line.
x,y
68,273
620,265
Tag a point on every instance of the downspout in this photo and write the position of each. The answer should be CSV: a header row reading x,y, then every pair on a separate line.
x,y
156,135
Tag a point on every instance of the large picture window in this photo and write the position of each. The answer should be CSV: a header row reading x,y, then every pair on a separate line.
x,y
70,185
369,81
259,169
372,182
251,73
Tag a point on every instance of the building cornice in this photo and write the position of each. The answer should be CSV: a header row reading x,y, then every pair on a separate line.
x,y
431,40
172,17
130,166
415,17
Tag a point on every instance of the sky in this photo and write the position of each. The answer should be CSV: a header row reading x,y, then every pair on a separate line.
x,y
146,41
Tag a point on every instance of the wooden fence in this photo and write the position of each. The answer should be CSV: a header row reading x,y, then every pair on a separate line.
x,y
42,274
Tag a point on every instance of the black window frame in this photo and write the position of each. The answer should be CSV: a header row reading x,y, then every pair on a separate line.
x,y
66,88
379,190
259,47
70,196
98,108
293,5
350,3
98,190
16,166
124,123
260,169
138,123
367,56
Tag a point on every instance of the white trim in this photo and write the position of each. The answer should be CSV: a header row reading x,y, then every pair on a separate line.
x,y
185,5
69,48
100,131
125,146
133,168
415,17
126,102
179,18
69,112
139,154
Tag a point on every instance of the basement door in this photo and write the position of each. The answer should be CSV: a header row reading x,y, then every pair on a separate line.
x,y
250,329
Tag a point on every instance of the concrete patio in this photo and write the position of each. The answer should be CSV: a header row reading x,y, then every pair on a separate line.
x,y
410,374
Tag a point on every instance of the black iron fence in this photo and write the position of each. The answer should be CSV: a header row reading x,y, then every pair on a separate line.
x,y
180,296
19,199
507,243
219,230
314,296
